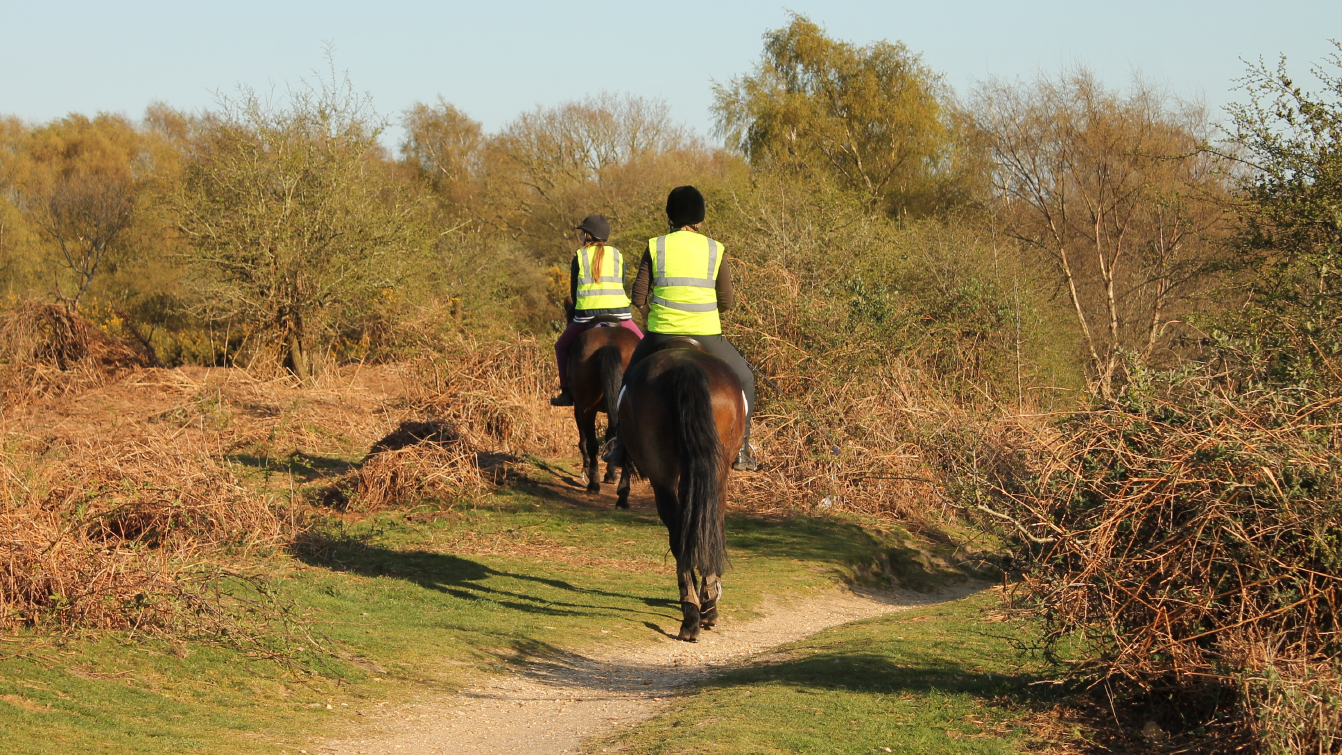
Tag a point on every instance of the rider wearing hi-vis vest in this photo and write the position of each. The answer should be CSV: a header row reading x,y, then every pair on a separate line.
x,y
596,288
683,281
685,273
604,292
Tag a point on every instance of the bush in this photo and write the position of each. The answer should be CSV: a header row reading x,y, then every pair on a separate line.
x,y
111,537
1189,536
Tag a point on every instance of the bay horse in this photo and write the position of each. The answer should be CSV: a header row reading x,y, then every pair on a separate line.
x,y
680,412
595,367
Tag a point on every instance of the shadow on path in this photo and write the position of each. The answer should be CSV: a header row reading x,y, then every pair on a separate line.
x,y
469,580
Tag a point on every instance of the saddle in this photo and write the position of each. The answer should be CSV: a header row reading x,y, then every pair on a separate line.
x,y
605,321
682,342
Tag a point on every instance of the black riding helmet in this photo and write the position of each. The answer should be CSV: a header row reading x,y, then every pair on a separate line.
x,y
596,226
685,206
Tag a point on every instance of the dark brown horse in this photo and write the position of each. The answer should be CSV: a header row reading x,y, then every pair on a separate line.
x,y
681,413
595,368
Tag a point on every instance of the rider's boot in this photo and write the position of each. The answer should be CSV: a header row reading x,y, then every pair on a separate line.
x,y
745,459
565,398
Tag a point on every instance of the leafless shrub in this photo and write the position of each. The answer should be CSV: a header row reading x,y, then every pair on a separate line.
x,y
1186,536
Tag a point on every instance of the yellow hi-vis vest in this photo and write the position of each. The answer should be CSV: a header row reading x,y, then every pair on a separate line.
x,y
594,293
684,297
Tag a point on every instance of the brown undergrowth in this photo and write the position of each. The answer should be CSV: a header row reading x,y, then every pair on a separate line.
x,y
495,392
832,442
128,498
112,536
114,488
47,349
417,463
852,446
1183,541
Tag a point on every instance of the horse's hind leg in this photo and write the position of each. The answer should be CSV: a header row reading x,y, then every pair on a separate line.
x,y
610,466
622,501
709,593
590,450
689,603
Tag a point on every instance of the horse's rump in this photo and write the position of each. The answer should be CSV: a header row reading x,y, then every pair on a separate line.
x,y
685,409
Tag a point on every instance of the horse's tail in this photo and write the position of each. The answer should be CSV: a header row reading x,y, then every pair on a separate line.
x,y
610,365
701,468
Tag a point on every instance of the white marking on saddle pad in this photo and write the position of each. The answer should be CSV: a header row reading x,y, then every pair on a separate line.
x,y
620,398
744,402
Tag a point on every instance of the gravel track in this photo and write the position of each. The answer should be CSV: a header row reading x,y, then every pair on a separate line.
x,y
554,706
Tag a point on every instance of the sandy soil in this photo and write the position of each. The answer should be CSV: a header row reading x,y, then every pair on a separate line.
x,y
554,706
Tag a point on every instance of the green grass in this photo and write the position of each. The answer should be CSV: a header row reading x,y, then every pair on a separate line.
x,y
412,604
946,679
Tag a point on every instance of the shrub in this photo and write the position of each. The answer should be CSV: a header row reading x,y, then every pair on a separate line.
x,y
1189,536
110,536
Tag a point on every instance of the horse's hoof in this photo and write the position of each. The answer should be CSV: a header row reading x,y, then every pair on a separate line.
x,y
623,503
709,617
706,624
594,488
689,626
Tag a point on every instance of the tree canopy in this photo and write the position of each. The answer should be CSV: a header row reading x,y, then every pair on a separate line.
x,y
873,118
294,224
1290,251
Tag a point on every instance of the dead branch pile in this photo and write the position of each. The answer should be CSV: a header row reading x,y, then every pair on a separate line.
x,y
46,348
1190,536
419,461
109,535
495,392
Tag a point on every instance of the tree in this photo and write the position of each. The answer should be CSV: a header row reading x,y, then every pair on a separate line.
x,y
79,188
445,148
293,221
1116,191
13,269
614,155
872,117
1290,248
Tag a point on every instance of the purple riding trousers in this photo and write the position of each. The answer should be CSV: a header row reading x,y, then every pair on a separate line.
x,y
570,335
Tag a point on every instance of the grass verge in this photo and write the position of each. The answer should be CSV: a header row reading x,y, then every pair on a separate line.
x,y
411,604
945,679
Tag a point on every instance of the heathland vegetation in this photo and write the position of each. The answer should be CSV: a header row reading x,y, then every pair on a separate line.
x,y
1083,320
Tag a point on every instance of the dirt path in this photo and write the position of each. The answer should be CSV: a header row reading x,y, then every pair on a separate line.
x,y
552,707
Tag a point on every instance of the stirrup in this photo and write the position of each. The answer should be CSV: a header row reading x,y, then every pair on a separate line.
x,y
613,452
745,462
565,398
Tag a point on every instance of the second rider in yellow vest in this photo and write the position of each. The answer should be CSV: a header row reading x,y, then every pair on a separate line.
x,y
596,288
683,281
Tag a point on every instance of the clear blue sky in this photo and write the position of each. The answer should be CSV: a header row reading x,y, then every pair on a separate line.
x,y
495,59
